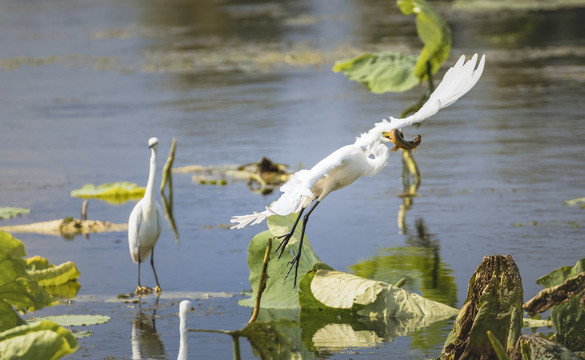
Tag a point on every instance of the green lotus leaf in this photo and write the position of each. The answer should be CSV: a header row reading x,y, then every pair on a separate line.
x,y
10,245
434,33
8,317
55,275
37,263
42,340
330,289
116,193
569,317
75,320
381,72
279,293
10,212
67,290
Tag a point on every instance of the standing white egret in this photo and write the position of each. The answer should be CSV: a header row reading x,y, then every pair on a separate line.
x,y
144,224
367,156
184,308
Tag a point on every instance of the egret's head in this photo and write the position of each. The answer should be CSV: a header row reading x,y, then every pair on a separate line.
x,y
185,307
152,143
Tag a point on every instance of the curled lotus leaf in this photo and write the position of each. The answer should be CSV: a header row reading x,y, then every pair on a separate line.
x,y
42,340
116,193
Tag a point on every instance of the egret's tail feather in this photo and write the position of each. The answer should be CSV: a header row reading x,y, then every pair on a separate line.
x,y
251,219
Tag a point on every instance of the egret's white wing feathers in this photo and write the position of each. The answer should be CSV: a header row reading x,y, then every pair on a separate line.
x,y
457,81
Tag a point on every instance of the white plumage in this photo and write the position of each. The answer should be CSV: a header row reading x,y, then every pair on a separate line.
x,y
368,155
144,224
184,308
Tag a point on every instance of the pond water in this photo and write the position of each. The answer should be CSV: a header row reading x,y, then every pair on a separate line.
x,y
84,85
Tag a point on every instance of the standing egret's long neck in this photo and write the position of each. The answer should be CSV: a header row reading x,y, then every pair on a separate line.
x,y
183,344
149,194
381,155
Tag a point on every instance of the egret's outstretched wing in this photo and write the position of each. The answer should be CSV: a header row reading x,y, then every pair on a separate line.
x,y
458,80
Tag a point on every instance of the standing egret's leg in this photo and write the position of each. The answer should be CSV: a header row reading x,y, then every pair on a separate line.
x,y
297,259
157,289
139,287
286,237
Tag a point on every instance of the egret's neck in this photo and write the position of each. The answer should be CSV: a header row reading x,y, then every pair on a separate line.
x,y
151,174
183,345
381,155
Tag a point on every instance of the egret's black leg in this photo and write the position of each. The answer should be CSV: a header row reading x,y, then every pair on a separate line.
x,y
297,259
286,237
154,270
139,260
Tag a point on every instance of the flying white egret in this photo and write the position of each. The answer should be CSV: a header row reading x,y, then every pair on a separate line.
x,y
144,224
184,308
367,156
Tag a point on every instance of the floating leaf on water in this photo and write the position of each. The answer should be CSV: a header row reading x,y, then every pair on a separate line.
x,y
75,320
116,193
434,33
576,202
10,212
381,72
42,340
68,227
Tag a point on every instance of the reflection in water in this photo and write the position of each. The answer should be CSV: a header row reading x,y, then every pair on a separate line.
x,y
420,263
146,343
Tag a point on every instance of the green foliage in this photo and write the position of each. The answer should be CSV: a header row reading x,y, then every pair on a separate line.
x,y
42,340
368,298
569,317
498,347
279,293
55,275
434,33
115,193
10,212
16,287
390,71
576,202
381,72
20,290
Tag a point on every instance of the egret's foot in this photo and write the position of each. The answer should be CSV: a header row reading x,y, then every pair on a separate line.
x,y
294,263
143,290
283,243
157,290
